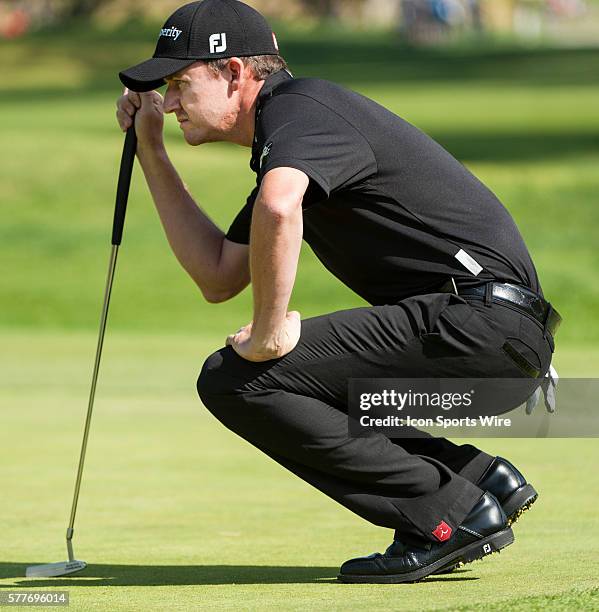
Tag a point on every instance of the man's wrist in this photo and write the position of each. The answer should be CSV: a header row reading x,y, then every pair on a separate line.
x,y
266,335
149,151
265,347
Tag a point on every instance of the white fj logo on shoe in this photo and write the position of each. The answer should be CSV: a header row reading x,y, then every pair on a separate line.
x,y
218,42
171,32
486,549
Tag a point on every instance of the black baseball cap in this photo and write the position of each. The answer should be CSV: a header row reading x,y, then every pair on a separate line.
x,y
204,30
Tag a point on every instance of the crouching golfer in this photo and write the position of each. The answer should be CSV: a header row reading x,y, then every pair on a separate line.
x,y
394,217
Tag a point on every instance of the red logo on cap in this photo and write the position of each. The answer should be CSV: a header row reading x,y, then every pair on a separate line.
x,y
442,531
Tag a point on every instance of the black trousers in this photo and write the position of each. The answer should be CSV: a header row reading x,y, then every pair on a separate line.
x,y
294,409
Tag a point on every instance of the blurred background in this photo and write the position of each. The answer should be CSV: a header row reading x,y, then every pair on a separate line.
x,y
509,87
419,21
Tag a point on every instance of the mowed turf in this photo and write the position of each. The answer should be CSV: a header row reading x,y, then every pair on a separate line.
x,y
525,121
178,513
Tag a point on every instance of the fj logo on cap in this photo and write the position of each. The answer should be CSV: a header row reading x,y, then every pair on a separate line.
x,y
218,42
171,32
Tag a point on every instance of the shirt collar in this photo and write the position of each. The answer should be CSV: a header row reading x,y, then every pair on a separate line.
x,y
271,83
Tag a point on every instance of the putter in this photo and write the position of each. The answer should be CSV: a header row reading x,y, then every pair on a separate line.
x,y
73,565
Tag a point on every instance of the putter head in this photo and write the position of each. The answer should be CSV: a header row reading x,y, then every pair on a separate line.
x,y
55,569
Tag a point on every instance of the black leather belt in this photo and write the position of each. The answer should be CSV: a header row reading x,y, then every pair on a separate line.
x,y
521,298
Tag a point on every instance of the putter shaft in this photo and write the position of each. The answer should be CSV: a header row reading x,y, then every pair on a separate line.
x,y
122,196
90,406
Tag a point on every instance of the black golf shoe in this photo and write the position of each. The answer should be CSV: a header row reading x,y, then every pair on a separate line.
x,y
510,488
507,484
484,531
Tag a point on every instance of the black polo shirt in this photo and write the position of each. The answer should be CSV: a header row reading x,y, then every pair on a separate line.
x,y
388,211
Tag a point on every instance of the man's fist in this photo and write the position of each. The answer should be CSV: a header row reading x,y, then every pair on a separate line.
x,y
281,342
146,110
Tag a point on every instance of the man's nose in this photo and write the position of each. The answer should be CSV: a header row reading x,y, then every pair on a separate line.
x,y
171,100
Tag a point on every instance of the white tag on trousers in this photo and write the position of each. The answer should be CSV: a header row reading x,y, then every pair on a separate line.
x,y
469,262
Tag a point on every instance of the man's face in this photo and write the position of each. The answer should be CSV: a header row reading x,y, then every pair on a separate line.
x,y
203,103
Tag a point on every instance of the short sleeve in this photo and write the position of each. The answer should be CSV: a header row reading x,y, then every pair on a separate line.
x,y
239,231
300,132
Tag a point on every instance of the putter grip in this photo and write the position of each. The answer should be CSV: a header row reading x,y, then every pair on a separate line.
x,y
122,190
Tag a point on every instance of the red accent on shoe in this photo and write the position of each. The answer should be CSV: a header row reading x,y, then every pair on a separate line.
x,y
442,531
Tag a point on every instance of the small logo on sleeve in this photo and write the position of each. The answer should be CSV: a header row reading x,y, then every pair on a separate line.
x,y
265,153
171,32
218,42
442,531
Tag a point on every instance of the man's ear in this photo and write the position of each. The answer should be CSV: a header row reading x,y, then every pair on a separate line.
x,y
236,68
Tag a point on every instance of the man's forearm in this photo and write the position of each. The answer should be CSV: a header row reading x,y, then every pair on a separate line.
x,y
274,253
195,240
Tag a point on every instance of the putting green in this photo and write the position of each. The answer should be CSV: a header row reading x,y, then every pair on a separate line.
x,y
177,513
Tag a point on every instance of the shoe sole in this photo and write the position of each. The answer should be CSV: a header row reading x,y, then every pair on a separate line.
x,y
519,502
514,507
467,554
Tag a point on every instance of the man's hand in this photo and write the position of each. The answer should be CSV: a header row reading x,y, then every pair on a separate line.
x,y
283,342
146,110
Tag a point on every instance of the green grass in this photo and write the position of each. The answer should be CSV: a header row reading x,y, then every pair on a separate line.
x,y
177,513
524,121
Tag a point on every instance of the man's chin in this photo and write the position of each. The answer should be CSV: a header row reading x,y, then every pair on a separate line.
x,y
195,137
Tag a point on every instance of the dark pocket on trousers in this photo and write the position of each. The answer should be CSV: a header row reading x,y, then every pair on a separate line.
x,y
447,307
520,354
529,351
